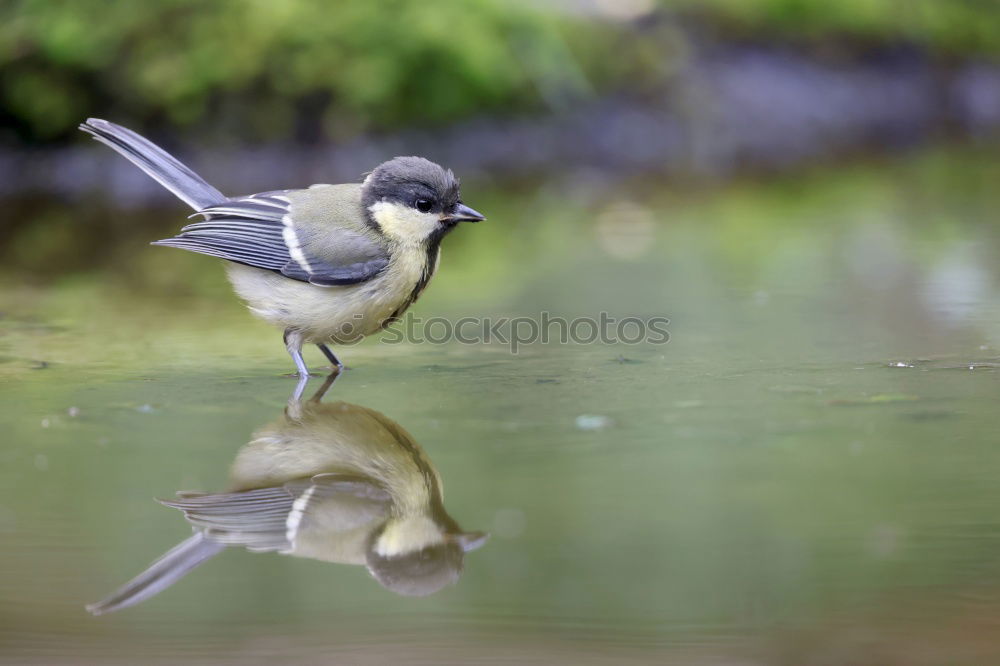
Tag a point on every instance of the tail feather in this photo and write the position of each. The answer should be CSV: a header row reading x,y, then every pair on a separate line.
x,y
161,574
158,163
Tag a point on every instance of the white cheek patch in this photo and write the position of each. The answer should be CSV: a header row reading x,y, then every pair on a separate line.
x,y
408,536
403,223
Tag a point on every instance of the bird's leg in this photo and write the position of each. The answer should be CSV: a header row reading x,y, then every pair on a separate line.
x,y
337,365
293,342
294,408
327,383
295,400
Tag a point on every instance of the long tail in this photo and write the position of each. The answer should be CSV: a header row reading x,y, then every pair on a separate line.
x,y
158,163
161,574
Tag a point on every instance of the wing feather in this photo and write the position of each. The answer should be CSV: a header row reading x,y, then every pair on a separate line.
x,y
268,518
258,231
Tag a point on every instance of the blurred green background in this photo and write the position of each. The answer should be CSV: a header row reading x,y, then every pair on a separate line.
x,y
305,70
805,474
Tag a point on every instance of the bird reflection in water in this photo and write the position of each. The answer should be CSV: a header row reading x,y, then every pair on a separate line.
x,y
329,481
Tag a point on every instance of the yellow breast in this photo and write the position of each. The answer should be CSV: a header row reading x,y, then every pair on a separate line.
x,y
339,314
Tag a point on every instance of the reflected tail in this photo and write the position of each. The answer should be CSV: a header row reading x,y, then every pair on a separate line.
x,y
161,574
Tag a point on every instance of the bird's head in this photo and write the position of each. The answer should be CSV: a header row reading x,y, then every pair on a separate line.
x,y
417,556
413,200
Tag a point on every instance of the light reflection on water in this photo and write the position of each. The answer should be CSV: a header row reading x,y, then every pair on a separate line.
x,y
805,474
334,482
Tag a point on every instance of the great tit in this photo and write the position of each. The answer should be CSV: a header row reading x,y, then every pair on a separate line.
x,y
329,481
327,264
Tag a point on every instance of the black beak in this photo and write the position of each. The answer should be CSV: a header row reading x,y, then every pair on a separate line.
x,y
463,213
469,541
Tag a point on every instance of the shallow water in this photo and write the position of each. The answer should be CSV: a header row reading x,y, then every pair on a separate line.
x,y
805,474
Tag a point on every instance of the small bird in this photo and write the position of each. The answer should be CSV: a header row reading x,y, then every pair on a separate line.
x,y
328,481
328,263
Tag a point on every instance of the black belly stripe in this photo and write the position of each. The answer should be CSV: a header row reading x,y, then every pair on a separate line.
x,y
420,459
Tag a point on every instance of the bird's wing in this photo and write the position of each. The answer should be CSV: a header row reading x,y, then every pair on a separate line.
x,y
259,231
268,519
254,519
335,504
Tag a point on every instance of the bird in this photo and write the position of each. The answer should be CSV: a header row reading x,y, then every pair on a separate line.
x,y
327,264
335,482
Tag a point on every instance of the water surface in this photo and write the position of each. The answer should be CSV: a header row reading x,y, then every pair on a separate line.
x,y
805,474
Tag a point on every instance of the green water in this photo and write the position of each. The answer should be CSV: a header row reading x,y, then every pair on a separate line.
x,y
807,473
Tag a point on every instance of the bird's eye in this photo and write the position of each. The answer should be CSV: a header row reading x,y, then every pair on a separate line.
x,y
424,205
